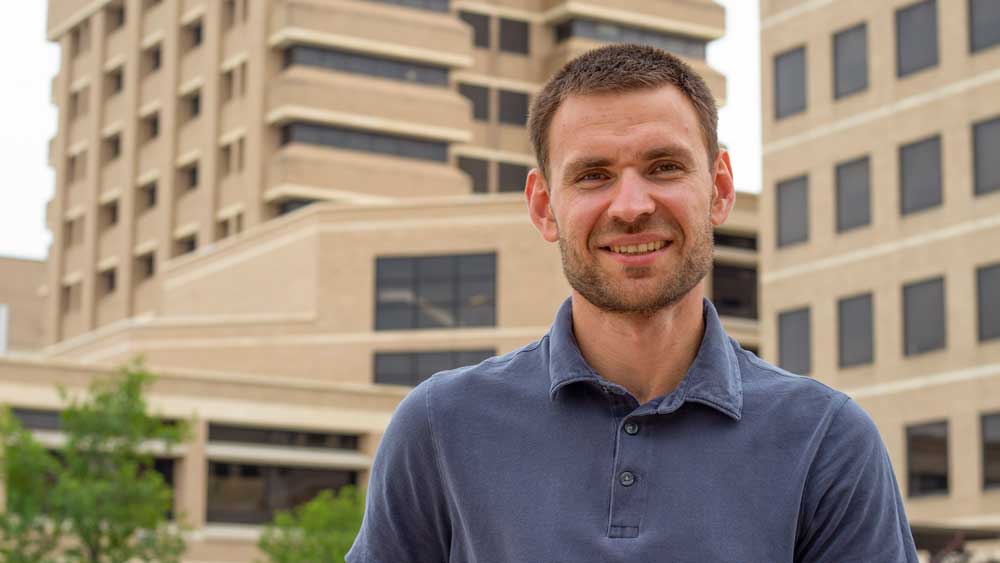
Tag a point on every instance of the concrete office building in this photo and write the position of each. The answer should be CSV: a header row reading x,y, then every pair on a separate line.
x,y
296,209
880,219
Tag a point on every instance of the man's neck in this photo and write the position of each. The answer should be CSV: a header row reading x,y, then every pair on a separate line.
x,y
647,355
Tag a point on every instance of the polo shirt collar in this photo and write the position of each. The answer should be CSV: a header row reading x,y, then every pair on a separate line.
x,y
713,378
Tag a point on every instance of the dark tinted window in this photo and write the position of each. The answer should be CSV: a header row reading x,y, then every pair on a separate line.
x,y
794,341
790,83
692,47
991,450
512,177
410,368
358,63
986,146
734,290
920,175
514,36
746,242
984,23
916,37
480,24
365,141
850,61
432,5
927,459
853,194
513,107
251,494
856,342
281,437
37,419
793,211
478,171
435,291
286,206
923,316
988,298
480,98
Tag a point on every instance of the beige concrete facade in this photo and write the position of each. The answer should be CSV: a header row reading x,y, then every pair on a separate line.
x,y
181,166
22,296
957,383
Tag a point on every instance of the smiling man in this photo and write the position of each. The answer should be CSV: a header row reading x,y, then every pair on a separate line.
x,y
636,429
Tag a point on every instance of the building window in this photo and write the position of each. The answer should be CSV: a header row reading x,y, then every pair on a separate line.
x,y
78,103
358,63
988,298
109,214
991,450
281,437
115,80
923,317
186,245
793,211
431,5
512,177
365,141
478,171
72,297
151,59
37,419
72,232
189,177
916,37
732,240
191,105
228,84
480,24
920,175
76,166
235,12
193,35
734,290
108,281
416,292
241,493
286,206
927,459
986,148
147,195
794,353
115,17
150,127
685,46
112,147
480,98
229,226
146,265
514,36
410,368
856,342
853,194
984,24
850,61
513,107
790,83
79,39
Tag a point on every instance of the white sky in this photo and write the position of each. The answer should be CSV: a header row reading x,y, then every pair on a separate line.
x,y
29,119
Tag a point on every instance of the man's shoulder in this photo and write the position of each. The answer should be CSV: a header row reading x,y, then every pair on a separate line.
x,y
759,376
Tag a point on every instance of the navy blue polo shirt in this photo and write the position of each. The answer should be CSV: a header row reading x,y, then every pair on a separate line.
x,y
534,457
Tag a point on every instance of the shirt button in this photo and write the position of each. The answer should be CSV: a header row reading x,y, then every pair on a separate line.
x,y
631,428
626,478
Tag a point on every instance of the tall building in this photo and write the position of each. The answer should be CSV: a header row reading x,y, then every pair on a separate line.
x,y
296,209
880,222
22,305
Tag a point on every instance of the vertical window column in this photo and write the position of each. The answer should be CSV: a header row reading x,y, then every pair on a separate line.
x,y
794,340
790,83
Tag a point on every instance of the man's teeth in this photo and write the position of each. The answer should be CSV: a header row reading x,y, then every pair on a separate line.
x,y
639,248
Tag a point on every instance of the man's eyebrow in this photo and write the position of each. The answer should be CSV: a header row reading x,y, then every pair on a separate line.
x,y
669,151
586,162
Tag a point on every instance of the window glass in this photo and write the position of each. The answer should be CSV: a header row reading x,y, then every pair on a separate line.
x,y
991,450
365,141
732,240
734,290
988,299
984,23
927,459
242,493
853,194
924,316
37,419
281,437
480,98
514,37
856,342
410,368
478,171
513,107
794,341
691,47
790,83
512,177
431,5
793,211
370,65
986,141
850,61
480,24
916,37
920,175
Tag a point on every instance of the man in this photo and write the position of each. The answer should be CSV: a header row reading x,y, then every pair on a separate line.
x,y
636,429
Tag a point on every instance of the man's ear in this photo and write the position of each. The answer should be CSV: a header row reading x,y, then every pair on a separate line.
x,y
723,189
536,191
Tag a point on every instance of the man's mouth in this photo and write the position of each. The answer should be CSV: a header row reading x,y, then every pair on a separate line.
x,y
631,249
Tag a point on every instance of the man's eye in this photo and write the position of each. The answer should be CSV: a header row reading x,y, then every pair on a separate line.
x,y
591,177
667,167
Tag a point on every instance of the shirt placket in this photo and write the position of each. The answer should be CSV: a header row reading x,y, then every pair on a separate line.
x,y
627,480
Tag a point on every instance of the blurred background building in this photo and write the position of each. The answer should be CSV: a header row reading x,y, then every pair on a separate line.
x,y
880,223
297,209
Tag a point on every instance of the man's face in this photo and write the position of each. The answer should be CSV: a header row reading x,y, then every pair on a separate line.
x,y
632,198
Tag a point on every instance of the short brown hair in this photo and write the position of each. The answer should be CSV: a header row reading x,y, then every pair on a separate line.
x,y
621,68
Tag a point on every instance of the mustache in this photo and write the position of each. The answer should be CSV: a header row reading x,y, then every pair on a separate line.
x,y
642,224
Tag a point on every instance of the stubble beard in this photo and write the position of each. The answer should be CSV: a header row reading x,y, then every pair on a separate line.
x,y
600,289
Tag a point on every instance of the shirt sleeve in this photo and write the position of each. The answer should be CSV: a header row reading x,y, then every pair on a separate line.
x,y
852,511
406,514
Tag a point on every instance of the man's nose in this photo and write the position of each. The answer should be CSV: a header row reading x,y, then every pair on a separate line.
x,y
632,198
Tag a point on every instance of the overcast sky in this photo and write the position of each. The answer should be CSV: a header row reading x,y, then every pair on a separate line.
x,y
29,119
